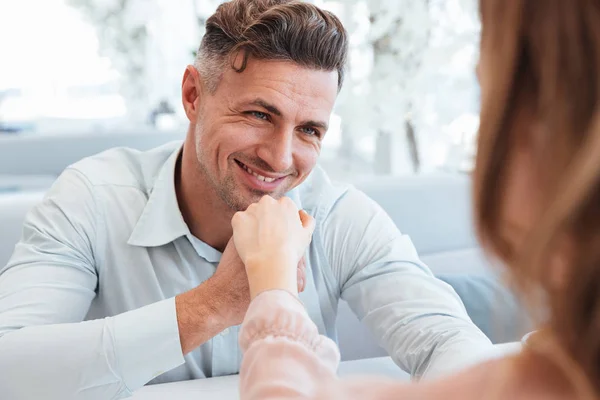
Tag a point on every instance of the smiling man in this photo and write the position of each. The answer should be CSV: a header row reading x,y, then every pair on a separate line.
x,y
126,273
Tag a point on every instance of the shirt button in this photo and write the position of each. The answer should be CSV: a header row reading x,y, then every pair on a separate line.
x,y
225,332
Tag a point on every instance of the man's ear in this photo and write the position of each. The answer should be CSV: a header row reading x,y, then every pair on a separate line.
x,y
191,92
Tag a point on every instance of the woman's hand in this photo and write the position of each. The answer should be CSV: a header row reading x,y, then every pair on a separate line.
x,y
271,237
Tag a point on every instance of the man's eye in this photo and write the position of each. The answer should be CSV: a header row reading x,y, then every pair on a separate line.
x,y
310,131
259,115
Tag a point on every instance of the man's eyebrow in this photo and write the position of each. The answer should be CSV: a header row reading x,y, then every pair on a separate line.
x,y
269,107
316,124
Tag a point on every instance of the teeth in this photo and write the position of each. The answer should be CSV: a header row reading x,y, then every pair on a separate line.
x,y
259,177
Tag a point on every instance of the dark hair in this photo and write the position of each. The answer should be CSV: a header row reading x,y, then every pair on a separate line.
x,y
542,70
271,30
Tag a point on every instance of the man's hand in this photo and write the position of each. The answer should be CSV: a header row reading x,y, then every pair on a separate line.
x,y
231,279
230,282
218,303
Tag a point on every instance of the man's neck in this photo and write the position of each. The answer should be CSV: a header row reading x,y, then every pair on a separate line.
x,y
207,217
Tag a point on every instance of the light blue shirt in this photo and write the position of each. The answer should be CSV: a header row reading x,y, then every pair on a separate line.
x,y
108,246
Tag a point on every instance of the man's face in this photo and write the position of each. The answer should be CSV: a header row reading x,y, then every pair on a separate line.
x,y
261,131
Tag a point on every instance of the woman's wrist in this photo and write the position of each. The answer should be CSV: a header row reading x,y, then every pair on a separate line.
x,y
272,271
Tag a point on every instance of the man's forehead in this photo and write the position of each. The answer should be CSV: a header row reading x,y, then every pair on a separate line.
x,y
313,91
285,76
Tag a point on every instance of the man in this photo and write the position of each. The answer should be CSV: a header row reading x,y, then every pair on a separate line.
x,y
137,245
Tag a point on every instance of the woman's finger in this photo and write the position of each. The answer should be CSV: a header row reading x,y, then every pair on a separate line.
x,y
308,222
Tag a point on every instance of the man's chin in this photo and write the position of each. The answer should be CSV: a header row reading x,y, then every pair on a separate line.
x,y
256,196
239,196
241,203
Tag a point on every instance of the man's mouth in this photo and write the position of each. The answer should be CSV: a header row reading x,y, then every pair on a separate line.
x,y
262,178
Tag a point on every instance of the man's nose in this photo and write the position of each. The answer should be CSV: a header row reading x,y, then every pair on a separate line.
x,y
277,150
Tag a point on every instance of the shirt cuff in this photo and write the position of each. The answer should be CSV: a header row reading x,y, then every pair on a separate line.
x,y
147,343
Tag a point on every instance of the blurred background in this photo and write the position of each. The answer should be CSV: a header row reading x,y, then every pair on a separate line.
x,y
81,76
71,69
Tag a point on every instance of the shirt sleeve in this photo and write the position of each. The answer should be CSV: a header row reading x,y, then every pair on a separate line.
x,y
419,320
45,292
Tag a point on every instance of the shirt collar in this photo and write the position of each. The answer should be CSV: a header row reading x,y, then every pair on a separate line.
x,y
161,221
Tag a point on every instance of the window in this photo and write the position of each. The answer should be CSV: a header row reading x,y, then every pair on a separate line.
x,y
410,102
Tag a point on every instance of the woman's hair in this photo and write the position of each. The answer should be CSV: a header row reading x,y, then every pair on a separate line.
x,y
542,93
283,30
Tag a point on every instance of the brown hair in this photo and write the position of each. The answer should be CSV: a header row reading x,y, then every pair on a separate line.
x,y
271,30
542,66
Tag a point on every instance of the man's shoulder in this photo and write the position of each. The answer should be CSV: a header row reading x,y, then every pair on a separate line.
x,y
125,167
336,202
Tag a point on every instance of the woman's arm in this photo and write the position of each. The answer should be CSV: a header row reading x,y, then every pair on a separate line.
x,y
286,358
284,355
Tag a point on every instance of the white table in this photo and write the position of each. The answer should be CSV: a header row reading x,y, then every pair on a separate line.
x,y
226,387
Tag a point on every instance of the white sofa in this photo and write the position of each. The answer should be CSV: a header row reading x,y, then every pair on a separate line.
x,y
51,154
433,210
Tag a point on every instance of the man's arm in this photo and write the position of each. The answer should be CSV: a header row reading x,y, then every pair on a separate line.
x,y
218,303
418,319
45,292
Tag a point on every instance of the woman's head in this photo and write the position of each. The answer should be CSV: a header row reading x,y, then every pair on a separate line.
x,y
537,176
